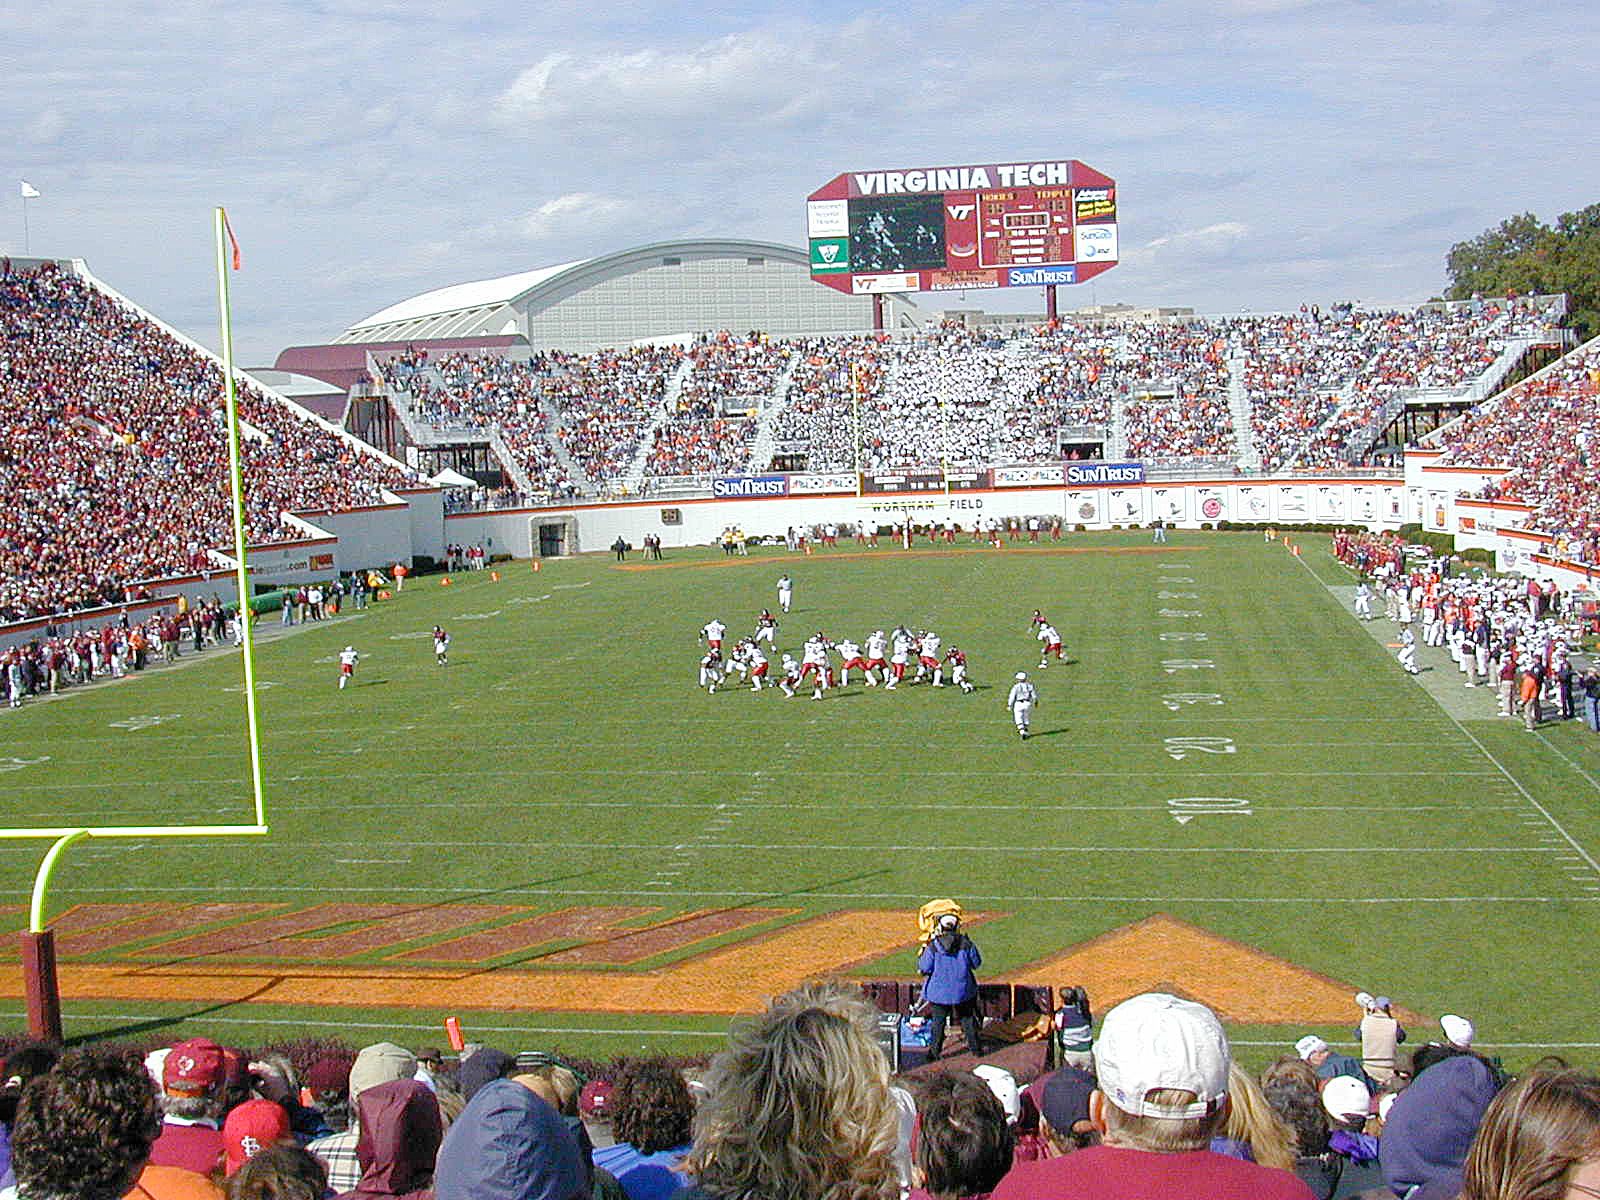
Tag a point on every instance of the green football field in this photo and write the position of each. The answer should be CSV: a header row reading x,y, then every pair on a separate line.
x,y
559,818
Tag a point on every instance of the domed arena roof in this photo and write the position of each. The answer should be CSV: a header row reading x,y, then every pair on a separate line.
x,y
652,292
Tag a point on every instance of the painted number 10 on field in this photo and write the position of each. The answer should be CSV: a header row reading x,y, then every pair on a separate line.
x,y
1187,808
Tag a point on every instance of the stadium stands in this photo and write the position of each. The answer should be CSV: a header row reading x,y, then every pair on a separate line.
x,y
1546,429
114,466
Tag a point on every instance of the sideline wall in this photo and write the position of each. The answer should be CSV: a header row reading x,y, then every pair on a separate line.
x,y
1379,504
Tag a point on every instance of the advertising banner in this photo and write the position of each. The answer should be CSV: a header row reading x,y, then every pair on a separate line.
x,y
1030,476
1293,502
1083,508
1081,474
967,480
1436,515
1363,502
1252,503
1125,506
1211,503
902,481
742,487
1328,502
820,485
1392,498
1169,504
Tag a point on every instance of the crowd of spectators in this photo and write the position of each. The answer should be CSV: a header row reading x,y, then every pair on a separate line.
x,y
1543,429
113,452
1316,378
712,425
801,1104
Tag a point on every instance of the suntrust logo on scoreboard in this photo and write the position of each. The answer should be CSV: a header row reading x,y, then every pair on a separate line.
x,y
1105,473
750,485
1033,276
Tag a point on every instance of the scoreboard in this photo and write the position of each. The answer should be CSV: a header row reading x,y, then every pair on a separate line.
x,y
933,229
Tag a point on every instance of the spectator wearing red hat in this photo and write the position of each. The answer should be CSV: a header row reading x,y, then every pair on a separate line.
x,y
250,1129
192,1079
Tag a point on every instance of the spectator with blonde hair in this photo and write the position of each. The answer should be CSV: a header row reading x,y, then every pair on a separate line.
x,y
1540,1140
1253,1131
799,1106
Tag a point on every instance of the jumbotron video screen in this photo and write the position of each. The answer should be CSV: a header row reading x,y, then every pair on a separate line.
x,y
938,229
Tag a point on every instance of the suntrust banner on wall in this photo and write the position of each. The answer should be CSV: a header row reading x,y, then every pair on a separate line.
x,y
749,486
1120,473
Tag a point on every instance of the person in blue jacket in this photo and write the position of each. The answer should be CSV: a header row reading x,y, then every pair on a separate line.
x,y
949,963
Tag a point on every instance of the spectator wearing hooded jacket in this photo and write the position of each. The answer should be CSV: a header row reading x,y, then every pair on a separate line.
x,y
1431,1126
400,1134
508,1144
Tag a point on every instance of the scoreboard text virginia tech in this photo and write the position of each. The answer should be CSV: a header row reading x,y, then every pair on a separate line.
x,y
937,229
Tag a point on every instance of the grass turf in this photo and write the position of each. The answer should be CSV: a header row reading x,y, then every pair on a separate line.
x,y
565,757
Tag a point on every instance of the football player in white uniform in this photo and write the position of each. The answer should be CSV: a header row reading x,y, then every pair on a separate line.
x,y
898,658
711,670
791,676
348,658
758,666
1052,643
785,592
850,656
441,646
877,647
928,658
712,632
814,662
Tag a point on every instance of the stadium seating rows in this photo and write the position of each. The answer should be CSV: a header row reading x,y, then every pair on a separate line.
x,y
103,410
114,462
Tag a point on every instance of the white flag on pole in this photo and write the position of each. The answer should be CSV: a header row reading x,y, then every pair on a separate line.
x,y
29,192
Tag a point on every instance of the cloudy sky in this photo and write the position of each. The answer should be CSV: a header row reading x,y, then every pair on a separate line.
x,y
1267,152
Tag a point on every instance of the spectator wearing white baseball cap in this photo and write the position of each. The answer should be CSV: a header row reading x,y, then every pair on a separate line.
x,y
1161,1064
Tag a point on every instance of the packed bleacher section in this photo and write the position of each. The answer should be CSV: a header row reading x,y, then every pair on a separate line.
x,y
1313,383
1316,378
710,429
799,1101
114,465
1547,430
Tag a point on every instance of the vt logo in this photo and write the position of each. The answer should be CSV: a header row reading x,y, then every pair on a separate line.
x,y
959,212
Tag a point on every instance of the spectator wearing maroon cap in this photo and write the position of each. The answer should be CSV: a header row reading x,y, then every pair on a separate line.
x,y
191,1100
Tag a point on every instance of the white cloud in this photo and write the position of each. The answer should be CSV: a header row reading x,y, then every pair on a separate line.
x,y
740,77
570,211
1212,239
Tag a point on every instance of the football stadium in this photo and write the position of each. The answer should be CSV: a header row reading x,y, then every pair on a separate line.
x,y
622,643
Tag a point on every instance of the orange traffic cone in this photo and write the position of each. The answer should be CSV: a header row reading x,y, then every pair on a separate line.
x,y
495,576
445,582
536,564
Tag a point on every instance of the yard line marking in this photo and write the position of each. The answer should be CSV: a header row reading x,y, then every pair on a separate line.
x,y
855,773
680,851
476,1025
327,889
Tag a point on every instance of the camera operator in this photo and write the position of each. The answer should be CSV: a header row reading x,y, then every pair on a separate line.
x,y
949,963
